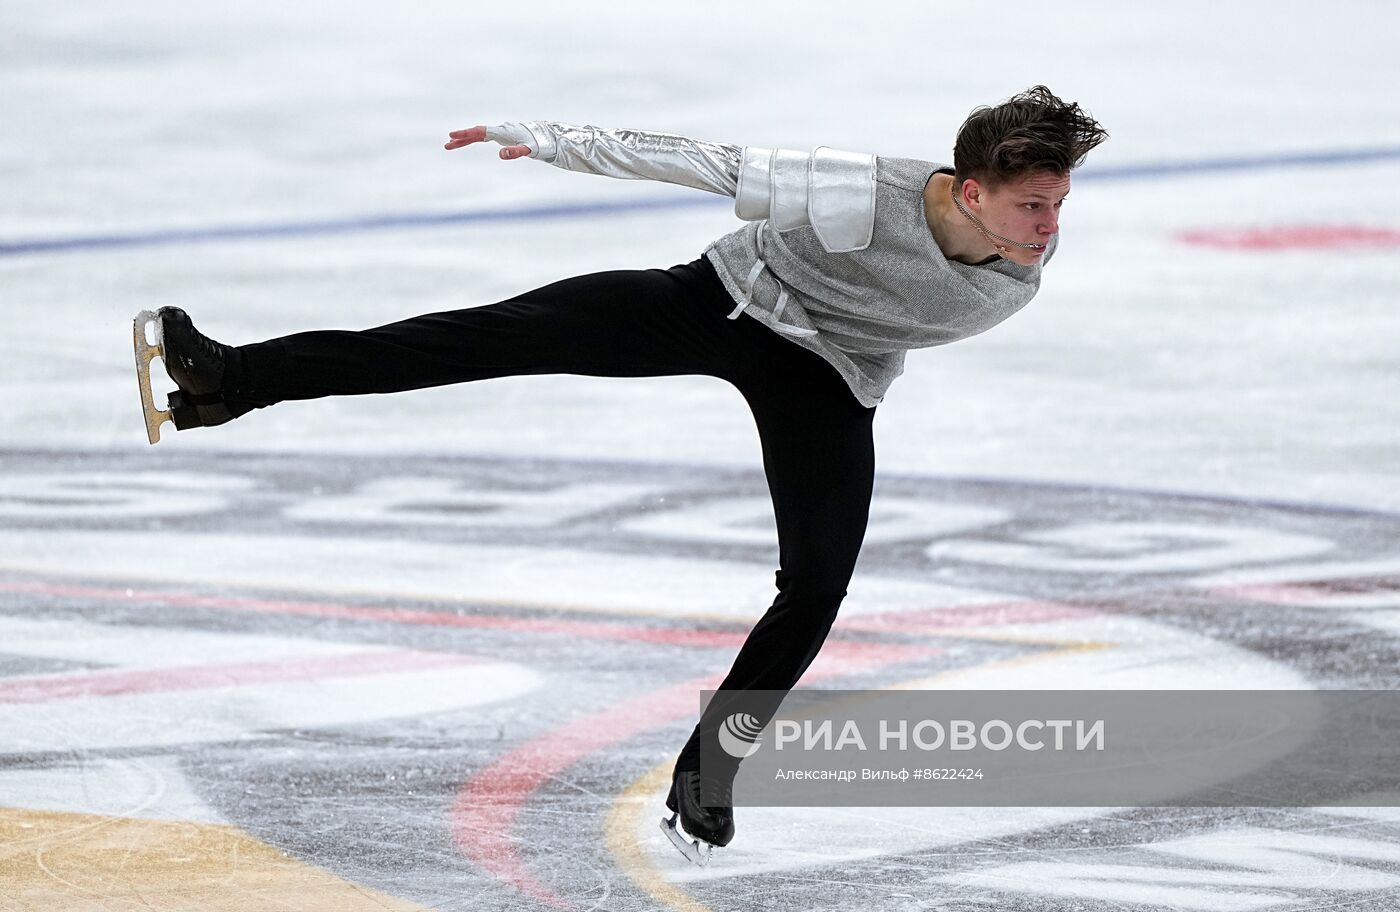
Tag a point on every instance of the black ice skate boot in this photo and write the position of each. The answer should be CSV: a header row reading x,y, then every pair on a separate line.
x,y
195,362
701,827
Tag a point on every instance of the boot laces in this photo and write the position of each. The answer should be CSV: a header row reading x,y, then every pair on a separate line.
x,y
695,786
210,349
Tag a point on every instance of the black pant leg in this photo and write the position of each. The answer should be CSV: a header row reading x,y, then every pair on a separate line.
x,y
622,323
819,457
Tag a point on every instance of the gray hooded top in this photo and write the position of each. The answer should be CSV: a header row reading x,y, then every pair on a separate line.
x,y
840,261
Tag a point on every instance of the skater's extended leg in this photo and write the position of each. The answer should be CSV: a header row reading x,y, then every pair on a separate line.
x,y
626,323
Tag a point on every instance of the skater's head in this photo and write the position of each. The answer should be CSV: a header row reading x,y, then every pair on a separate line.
x,y
1012,165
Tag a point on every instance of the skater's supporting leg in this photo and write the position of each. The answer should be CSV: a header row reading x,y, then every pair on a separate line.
x,y
818,453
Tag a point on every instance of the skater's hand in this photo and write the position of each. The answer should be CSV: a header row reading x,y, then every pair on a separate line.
x,y
459,138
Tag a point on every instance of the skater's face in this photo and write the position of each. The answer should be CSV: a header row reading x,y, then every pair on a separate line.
x,y
1025,210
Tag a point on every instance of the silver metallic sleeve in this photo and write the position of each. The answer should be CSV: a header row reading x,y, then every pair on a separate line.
x,y
830,190
629,154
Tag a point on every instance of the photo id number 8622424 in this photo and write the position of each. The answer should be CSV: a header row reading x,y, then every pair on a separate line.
x,y
947,773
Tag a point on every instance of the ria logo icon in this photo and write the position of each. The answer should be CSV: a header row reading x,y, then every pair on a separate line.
x,y
739,735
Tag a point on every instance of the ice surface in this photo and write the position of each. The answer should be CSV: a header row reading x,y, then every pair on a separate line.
x,y
444,645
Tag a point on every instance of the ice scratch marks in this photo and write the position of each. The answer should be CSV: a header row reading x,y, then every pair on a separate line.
x,y
1238,870
153,788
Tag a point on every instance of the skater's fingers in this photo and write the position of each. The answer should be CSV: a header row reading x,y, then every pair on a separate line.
x,y
510,152
470,134
459,138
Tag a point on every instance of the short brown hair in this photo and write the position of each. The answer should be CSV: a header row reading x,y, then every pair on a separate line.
x,y
1031,131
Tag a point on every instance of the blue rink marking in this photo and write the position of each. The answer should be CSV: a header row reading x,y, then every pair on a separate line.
x,y
363,223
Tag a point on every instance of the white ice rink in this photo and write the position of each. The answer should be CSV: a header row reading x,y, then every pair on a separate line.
x,y
1254,387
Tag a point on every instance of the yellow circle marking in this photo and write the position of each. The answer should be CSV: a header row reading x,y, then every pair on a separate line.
x,y
88,863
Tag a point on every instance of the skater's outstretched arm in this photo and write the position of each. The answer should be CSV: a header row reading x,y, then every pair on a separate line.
x,y
626,154
832,191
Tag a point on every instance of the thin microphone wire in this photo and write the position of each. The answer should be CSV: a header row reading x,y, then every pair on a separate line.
x,y
994,238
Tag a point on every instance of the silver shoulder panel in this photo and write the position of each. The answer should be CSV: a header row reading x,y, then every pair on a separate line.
x,y
830,190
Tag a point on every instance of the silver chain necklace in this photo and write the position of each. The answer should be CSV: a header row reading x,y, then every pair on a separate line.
x,y
994,238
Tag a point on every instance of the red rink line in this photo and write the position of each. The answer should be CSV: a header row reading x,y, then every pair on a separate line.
x,y
489,803
1282,593
1295,237
1309,592
932,620
203,677
678,636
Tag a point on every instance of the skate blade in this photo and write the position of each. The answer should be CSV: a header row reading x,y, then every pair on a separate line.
x,y
696,850
145,351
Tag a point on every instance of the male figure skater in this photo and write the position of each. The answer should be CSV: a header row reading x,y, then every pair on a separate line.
x,y
845,262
